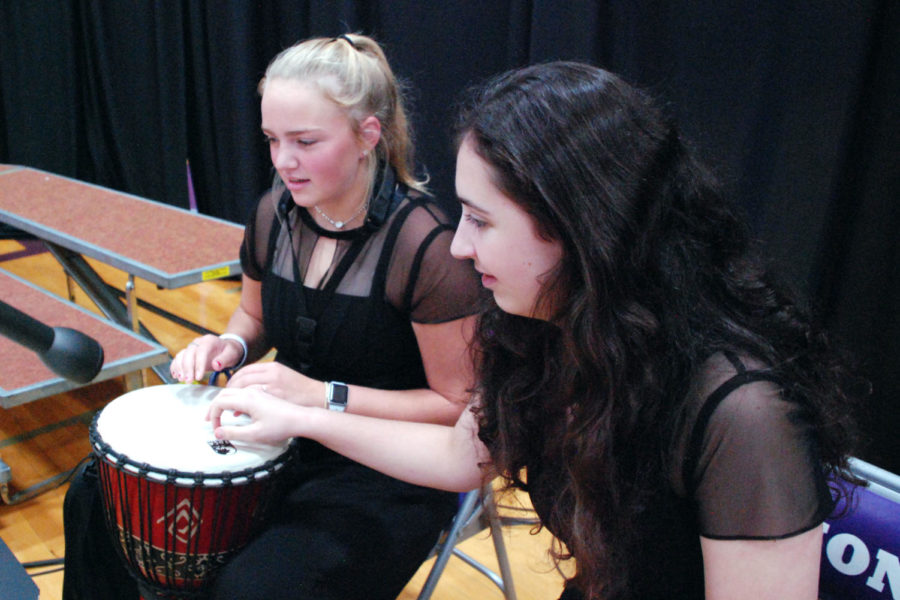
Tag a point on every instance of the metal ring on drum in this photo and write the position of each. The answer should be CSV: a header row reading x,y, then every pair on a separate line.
x,y
178,502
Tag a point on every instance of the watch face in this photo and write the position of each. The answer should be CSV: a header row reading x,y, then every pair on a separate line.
x,y
337,396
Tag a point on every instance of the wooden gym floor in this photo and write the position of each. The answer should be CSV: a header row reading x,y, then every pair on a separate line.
x,y
46,437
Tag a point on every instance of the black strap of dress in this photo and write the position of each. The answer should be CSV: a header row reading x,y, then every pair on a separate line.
x,y
384,203
306,322
741,378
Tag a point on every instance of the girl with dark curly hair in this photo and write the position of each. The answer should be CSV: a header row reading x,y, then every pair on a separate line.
x,y
673,413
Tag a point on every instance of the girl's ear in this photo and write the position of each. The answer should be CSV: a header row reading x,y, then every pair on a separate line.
x,y
370,132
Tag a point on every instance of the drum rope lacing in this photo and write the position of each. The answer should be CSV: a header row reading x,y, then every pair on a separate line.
x,y
157,565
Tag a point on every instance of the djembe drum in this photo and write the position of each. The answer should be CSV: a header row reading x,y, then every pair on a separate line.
x,y
177,501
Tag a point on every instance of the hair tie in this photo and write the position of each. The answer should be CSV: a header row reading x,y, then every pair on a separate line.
x,y
344,37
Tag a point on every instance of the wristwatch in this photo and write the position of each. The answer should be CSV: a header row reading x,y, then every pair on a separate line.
x,y
337,396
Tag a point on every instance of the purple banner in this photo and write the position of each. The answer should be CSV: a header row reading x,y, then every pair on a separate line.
x,y
861,549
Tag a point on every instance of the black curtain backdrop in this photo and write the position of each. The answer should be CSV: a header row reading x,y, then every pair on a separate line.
x,y
794,103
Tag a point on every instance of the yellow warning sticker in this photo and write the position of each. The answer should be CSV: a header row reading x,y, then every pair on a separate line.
x,y
216,273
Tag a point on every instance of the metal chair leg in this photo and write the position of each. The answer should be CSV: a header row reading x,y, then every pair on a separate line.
x,y
449,539
495,522
469,514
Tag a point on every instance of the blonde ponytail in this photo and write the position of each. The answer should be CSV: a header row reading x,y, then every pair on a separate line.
x,y
352,71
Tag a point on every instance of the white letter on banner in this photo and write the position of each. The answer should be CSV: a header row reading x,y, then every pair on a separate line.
x,y
888,566
859,557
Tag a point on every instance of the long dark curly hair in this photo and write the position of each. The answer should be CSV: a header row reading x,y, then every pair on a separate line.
x,y
658,273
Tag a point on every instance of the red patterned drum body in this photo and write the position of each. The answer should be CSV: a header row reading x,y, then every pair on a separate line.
x,y
178,501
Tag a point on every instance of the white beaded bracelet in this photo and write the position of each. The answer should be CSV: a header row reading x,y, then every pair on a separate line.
x,y
239,340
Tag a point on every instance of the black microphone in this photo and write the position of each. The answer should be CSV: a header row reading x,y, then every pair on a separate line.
x,y
66,352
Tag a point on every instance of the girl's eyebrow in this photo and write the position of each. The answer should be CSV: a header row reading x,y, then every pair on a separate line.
x,y
472,205
304,131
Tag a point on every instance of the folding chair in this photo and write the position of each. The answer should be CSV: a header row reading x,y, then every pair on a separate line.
x,y
477,511
861,549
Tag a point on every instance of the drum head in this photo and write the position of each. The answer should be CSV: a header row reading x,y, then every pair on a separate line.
x,y
165,427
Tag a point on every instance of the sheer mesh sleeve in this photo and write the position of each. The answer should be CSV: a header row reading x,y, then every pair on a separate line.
x,y
424,278
256,237
757,475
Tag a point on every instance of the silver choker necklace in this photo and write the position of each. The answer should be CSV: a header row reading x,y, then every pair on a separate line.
x,y
341,224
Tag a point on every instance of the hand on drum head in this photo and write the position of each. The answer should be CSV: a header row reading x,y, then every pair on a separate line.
x,y
272,420
281,381
207,353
